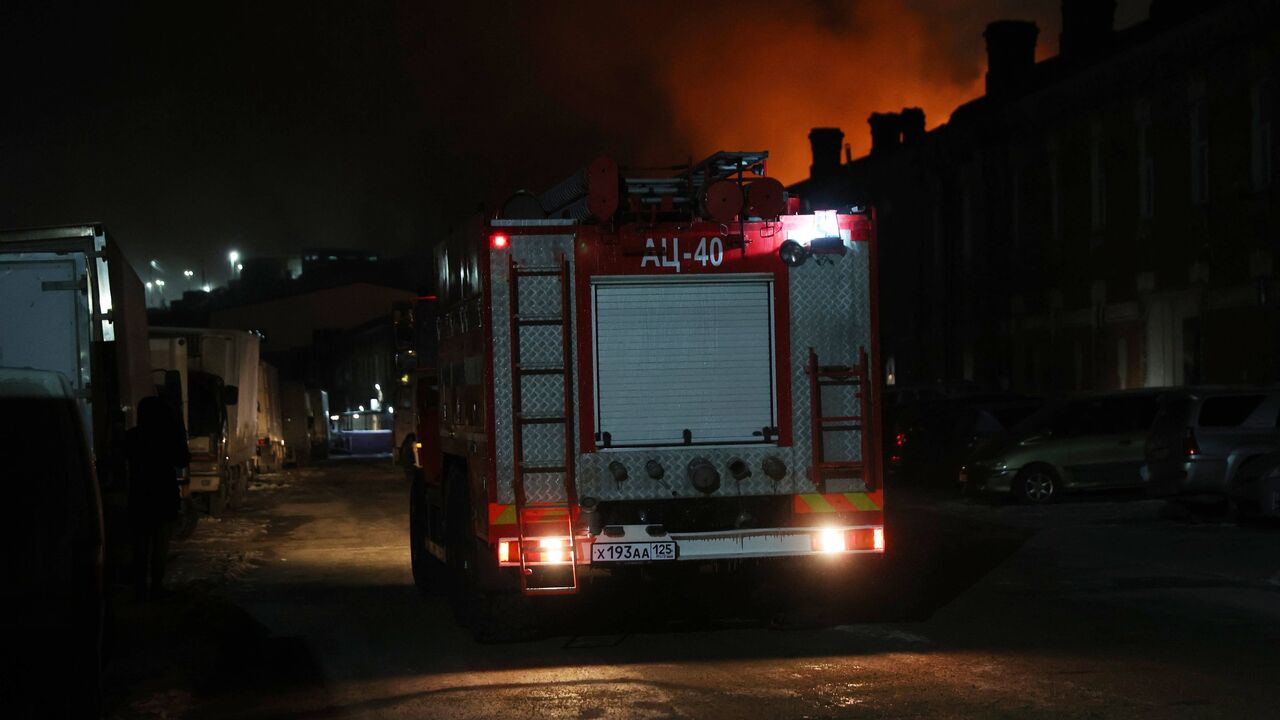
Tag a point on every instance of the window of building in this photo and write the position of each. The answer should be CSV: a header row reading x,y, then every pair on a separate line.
x,y
1015,204
1097,180
1199,152
1122,362
1262,108
1055,226
1146,165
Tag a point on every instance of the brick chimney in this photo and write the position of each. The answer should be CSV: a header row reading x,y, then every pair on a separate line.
x,y
886,131
1086,26
1011,55
826,144
912,125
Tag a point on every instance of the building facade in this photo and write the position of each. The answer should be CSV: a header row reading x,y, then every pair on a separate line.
x,y
1102,219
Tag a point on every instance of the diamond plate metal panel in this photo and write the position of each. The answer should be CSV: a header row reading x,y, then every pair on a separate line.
x,y
540,295
540,345
830,312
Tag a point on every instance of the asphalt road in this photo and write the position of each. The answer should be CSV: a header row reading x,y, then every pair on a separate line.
x,y
302,605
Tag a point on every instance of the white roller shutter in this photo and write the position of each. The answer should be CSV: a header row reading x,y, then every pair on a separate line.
x,y
674,355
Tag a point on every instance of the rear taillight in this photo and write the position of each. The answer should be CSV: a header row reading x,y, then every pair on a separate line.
x,y
899,441
537,551
1190,447
835,540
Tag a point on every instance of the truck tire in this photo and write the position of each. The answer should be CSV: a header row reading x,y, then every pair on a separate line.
x,y
501,616
188,518
217,500
493,615
428,571
239,487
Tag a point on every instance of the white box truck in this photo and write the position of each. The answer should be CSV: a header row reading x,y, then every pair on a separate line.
x,y
73,305
269,454
218,371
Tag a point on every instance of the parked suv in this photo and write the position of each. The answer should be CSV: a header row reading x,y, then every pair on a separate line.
x,y
1205,438
1086,443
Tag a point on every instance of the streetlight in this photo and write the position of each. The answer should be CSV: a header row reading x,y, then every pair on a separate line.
x,y
233,257
207,287
188,274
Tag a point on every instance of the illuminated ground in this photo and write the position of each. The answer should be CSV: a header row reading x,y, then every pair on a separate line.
x,y
301,606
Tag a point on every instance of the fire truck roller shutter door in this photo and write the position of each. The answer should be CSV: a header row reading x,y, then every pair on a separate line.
x,y
675,355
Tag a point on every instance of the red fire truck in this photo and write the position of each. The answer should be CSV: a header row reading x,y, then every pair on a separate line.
x,y
658,370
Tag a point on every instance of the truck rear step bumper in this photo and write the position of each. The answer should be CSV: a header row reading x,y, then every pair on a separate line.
x,y
703,546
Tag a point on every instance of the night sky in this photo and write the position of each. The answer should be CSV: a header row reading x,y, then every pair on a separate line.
x,y
193,128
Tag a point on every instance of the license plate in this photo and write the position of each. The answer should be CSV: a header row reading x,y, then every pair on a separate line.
x,y
633,552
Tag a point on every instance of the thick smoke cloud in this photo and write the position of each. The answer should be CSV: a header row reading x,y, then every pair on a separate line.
x,y
194,127
662,81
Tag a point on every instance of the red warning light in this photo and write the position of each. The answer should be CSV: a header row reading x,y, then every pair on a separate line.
x,y
499,241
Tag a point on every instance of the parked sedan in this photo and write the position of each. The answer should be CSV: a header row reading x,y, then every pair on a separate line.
x,y
1088,443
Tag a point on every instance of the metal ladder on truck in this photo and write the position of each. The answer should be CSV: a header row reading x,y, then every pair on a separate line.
x,y
857,377
519,371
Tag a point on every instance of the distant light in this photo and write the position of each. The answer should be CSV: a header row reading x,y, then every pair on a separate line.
x,y
148,284
188,273
335,418
500,241
391,410
361,407
159,282
155,264
233,256
239,267
376,386
207,287
355,416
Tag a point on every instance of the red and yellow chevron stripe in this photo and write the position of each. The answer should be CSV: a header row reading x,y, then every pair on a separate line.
x,y
500,514
838,502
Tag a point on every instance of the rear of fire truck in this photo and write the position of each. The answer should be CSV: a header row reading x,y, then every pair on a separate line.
x,y
647,371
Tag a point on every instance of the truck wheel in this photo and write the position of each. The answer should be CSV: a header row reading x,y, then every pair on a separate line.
x,y
428,571
188,518
501,616
218,500
1036,484
242,483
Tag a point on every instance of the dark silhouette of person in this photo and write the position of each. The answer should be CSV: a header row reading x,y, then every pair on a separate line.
x,y
157,451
